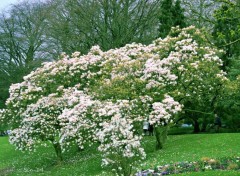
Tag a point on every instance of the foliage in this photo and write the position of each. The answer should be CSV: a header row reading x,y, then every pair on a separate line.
x,y
226,29
233,67
3,115
170,15
228,105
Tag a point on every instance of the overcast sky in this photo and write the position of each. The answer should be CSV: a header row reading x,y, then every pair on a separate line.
x,y
6,3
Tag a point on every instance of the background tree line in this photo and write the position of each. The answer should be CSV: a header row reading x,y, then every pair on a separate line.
x,y
32,32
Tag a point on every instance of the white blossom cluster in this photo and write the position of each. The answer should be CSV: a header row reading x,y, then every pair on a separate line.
x,y
77,123
118,140
66,72
163,111
44,120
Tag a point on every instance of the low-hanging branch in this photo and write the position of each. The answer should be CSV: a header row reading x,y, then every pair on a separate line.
x,y
210,113
230,43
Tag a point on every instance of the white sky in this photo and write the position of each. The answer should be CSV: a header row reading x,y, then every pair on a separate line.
x,y
6,3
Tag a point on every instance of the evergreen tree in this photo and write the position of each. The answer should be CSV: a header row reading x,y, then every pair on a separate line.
x,y
171,15
166,18
178,14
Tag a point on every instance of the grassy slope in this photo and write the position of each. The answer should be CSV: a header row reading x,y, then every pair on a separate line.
x,y
194,147
178,148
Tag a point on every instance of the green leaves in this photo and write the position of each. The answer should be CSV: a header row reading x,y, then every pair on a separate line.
x,y
170,15
226,29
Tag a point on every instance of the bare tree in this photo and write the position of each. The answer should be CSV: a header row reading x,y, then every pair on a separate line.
x,y
79,24
200,12
22,42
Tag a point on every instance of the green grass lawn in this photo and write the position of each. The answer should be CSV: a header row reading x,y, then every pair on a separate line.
x,y
189,147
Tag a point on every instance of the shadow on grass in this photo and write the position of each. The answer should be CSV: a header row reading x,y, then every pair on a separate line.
x,y
189,130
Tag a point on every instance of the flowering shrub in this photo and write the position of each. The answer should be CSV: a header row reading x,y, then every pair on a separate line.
x,y
110,94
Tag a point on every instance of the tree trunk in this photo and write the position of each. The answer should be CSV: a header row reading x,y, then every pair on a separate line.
x,y
58,151
204,125
161,136
159,144
196,127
